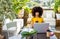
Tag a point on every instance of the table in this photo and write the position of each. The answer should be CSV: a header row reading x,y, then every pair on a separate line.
x,y
40,36
57,33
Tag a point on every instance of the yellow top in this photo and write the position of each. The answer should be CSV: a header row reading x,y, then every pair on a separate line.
x,y
37,20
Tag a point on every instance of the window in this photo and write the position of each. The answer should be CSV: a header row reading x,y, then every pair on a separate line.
x,y
42,3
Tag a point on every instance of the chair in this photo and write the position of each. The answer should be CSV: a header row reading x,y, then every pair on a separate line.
x,y
20,25
11,28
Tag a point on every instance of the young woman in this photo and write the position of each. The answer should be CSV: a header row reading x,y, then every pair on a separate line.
x,y
37,15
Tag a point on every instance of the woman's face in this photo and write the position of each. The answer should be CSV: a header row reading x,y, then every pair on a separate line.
x,y
37,14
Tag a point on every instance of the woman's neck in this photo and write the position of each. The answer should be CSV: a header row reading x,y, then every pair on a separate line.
x,y
37,16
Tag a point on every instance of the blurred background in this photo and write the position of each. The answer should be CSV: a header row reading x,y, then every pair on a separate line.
x,y
13,10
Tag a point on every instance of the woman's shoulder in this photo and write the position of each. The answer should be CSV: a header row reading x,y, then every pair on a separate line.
x,y
32,18
41,18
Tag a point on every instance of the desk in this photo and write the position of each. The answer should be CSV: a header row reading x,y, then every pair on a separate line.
x,y
40,36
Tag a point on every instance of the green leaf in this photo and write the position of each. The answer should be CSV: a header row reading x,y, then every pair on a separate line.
x,y
57,3
6,10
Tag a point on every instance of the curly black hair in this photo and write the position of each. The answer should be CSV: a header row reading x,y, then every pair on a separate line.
x,y
37,9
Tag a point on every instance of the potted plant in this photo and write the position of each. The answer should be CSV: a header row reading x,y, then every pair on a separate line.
x,y
19,5
57,8
58,14
6,12
27,32
57,3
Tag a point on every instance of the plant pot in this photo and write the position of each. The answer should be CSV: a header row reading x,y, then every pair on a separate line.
x,y
58,16
0,30
1,26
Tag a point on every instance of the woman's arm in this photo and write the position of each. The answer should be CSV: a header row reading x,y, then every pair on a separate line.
x,y
42,20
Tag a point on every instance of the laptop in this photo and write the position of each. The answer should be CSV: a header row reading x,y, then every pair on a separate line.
x,y
41,28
